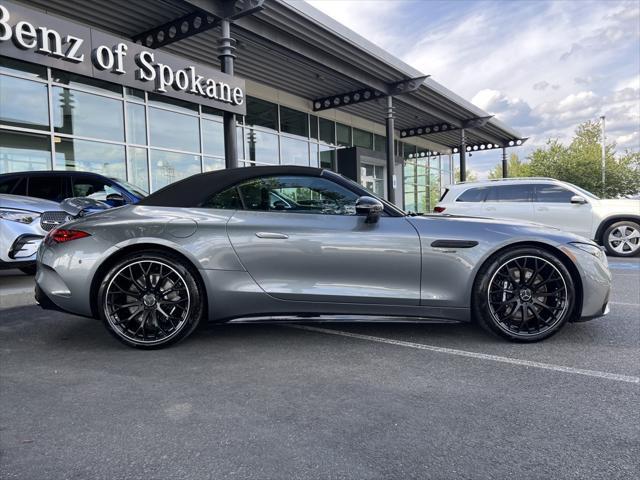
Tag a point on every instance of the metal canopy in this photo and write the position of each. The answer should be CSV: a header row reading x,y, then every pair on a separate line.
x,y
294,48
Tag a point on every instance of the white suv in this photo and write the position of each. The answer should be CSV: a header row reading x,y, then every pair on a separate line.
x,y
612,223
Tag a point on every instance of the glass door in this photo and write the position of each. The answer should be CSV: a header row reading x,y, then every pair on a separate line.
x,y
372,177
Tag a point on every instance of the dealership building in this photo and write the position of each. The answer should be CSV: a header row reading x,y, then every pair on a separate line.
x,y
152,91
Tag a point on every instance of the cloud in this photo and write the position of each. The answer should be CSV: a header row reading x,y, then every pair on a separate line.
x,y
513,111
540,66
583,81
543,85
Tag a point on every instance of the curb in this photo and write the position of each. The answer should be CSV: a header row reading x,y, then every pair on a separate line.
x,y
11,298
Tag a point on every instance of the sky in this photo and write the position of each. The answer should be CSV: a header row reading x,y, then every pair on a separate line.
x,y
541,66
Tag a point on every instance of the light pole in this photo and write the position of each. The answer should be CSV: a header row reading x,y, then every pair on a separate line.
x,y
604,152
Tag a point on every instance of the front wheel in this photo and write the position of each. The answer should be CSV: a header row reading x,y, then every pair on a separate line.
x,y
622,239
524,295
150,300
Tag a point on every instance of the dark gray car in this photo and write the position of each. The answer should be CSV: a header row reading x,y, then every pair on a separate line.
x,y
296,241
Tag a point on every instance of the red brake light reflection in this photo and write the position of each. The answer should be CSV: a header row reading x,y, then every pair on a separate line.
x,y
61,235
439,209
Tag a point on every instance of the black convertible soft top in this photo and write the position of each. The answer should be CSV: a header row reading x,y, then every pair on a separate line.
x,y
193,191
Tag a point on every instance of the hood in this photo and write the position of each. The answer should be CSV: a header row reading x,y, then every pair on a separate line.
x,y
620,205
31,204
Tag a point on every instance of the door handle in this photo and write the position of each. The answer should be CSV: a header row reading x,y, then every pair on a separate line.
x,y
543,209
275,235
491,209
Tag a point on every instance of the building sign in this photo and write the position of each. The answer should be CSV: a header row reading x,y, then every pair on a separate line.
x,y
36,37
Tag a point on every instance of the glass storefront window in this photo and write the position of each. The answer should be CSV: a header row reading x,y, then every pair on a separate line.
x,y
213,137
174,130
294,122
327,131
380,143
212,163
23,103
87,115
343,135
169,167
24,69
313,127
172,103
261,113
136,124
294,152
134,94
327,157
209,112
105,158
72,80
362,138
240,142
262,147
138,168
314,158
24,151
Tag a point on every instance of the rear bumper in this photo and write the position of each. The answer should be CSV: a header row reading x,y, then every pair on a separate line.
x,y
45,302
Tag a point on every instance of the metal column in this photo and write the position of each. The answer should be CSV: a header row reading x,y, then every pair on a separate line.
x,y
391,171
505,172
463,156
226,56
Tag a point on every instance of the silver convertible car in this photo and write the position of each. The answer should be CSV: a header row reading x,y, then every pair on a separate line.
x,y
271,242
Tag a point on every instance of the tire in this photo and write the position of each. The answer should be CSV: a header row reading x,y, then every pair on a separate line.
x,y
622,239
529,310
151,299
29,270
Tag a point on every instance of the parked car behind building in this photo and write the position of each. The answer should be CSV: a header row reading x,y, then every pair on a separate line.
x,y
613,223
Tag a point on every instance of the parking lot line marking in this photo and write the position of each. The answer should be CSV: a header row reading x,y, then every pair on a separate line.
x,y
482,356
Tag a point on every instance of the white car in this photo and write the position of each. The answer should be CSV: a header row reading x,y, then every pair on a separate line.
x,y
24,221
615,224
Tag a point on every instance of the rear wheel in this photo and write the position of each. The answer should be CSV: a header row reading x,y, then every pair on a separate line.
x,y
524,294
622,239
150,300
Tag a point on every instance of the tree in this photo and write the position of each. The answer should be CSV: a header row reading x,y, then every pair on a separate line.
x,y
515,168
471,175
580,163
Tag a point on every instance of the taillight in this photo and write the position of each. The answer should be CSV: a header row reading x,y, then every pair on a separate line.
x,y
61,235
439,209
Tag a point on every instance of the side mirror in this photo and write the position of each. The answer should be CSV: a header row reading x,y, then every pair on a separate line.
x,y
578,200
279,205
116,199
371,207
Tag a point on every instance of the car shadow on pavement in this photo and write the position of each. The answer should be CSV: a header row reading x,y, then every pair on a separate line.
x,y
32,325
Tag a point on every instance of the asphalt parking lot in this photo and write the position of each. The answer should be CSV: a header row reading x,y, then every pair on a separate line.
x,y
337,401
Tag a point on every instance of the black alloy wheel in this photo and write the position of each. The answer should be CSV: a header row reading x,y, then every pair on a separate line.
x,y
150,300
524,294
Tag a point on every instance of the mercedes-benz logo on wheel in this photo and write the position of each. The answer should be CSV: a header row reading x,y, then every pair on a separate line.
x,y
525,295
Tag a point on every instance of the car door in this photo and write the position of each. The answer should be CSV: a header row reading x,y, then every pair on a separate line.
x,y
511,202
309,245
553,207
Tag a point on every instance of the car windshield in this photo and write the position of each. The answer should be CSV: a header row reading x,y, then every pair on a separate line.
x,y
137,191
584,192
